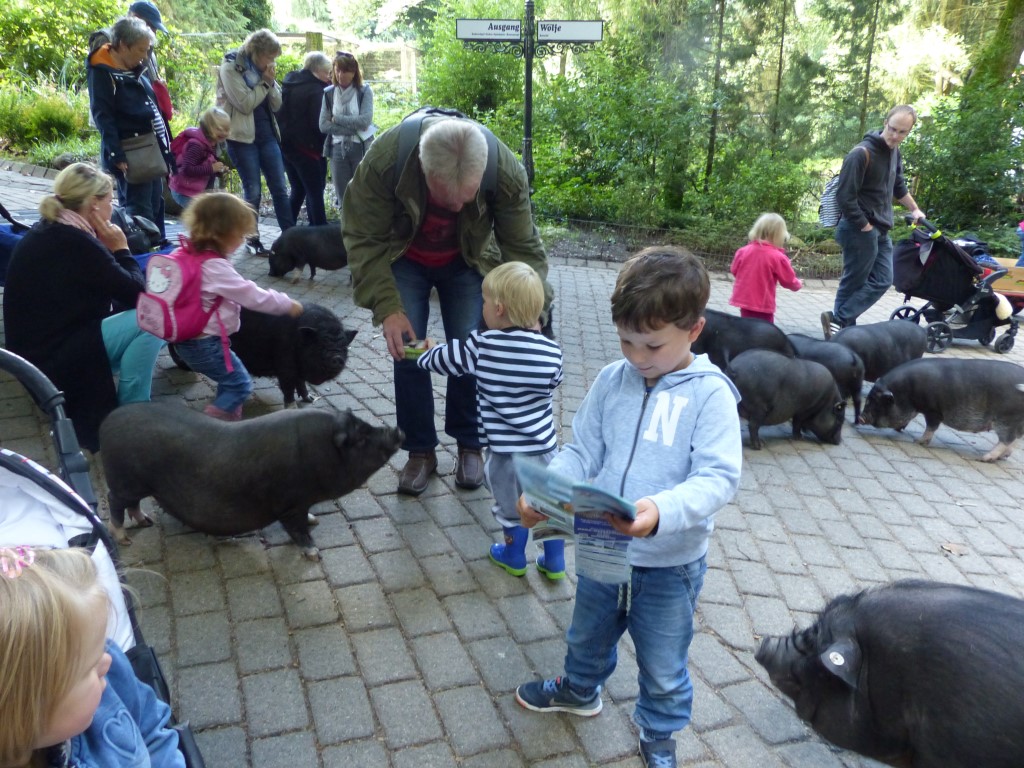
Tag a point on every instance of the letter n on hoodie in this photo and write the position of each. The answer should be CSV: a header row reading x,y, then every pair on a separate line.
x,y
665,417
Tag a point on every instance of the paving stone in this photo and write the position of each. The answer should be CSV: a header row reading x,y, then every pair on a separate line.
x,y
474,616
203,638
274,702
470,720
209,694
285,751
368,753
309,604
262,644
382,656
364,606
436,755
406,714
419,612
253,597
501,662
341,710
397,570
775,722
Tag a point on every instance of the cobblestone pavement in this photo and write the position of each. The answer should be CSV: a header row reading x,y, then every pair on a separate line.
x,y
402,647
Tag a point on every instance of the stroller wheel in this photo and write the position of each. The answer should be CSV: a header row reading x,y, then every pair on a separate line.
x,y
940,337
1003,344
906,312
989,337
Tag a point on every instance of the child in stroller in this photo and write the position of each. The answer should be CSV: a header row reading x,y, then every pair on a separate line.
x,y
40,512
958,280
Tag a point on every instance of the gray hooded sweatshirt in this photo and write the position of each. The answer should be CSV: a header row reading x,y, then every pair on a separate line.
x,y
678,444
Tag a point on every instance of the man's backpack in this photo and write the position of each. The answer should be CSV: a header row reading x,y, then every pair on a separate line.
x,y
409,137
171,307
829,212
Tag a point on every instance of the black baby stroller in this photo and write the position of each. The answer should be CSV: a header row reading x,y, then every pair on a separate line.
x,y
961,303
38,508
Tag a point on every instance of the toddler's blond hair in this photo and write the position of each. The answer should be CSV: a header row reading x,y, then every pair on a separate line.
x,y
519,288
769,228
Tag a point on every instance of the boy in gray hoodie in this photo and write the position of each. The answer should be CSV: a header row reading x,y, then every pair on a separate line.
x,y
659,427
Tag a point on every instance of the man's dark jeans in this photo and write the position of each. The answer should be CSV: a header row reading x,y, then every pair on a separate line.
x,y
459,293
867,271
307,177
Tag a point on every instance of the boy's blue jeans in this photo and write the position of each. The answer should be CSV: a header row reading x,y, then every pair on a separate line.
x,y
250,159
206,356
867,270
132,354
459,292
660,621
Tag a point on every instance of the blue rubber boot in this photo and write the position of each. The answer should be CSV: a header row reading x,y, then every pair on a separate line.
x,y
552,562
512,554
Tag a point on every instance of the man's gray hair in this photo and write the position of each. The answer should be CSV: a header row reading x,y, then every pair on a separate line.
x,y
453,153
316,61
128,30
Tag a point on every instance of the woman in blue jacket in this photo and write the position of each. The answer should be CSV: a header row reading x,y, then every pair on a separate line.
x,y
123,105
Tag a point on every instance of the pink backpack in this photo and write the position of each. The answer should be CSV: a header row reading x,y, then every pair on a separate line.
x,y
172,306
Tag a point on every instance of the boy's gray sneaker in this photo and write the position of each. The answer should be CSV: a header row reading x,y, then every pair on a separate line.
x,y
556,696
658,754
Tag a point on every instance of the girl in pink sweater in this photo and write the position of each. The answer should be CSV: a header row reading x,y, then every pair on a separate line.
x,y
218,224
759,265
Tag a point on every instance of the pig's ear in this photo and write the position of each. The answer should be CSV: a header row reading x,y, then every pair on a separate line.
x,y
345,432
348,336
887,397
842,659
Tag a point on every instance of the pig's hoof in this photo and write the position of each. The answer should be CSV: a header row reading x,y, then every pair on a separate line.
x,y
311,553
312,519
142,520
120,535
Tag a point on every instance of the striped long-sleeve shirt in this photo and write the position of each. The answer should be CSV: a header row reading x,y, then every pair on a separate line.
x,y
516,372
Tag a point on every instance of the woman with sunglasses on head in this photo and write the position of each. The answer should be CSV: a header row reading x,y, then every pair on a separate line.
x,y
346,118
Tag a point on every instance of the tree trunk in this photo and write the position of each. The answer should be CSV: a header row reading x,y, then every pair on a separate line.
x,y
778,77
716,95
997,60
867,69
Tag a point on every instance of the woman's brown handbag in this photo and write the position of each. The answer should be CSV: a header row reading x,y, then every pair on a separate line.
x,y
145,159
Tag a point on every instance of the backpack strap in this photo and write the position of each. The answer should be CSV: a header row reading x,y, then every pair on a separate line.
x,y
409,137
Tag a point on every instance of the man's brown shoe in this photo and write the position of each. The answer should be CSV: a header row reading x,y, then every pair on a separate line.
x,y
416,473
469,468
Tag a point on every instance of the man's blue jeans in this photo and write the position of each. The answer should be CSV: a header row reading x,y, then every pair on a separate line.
x,y
206,356
867,271
459,292
307,177
264,156
661,603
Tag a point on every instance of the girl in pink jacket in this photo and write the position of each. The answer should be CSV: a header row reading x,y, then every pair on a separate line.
x,y
195,154
759,265
218,224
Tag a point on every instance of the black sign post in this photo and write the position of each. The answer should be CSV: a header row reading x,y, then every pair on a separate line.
x,y
528,39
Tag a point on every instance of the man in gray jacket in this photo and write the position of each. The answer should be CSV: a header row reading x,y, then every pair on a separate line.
x,y
871,177
431,225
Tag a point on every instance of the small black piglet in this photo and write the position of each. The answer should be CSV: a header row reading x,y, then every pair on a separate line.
x,y
318,246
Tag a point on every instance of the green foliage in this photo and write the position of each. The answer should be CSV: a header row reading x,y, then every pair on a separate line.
x,y
471,81
48,39
967,157
42,114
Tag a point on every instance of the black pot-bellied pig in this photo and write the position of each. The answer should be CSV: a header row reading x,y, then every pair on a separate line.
x,y
226,478
883,346
312,347
969,395
319,246
842,362
915,674
725,336
775,388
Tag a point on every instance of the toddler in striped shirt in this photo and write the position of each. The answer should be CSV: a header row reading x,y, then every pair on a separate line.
x,y
517,369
